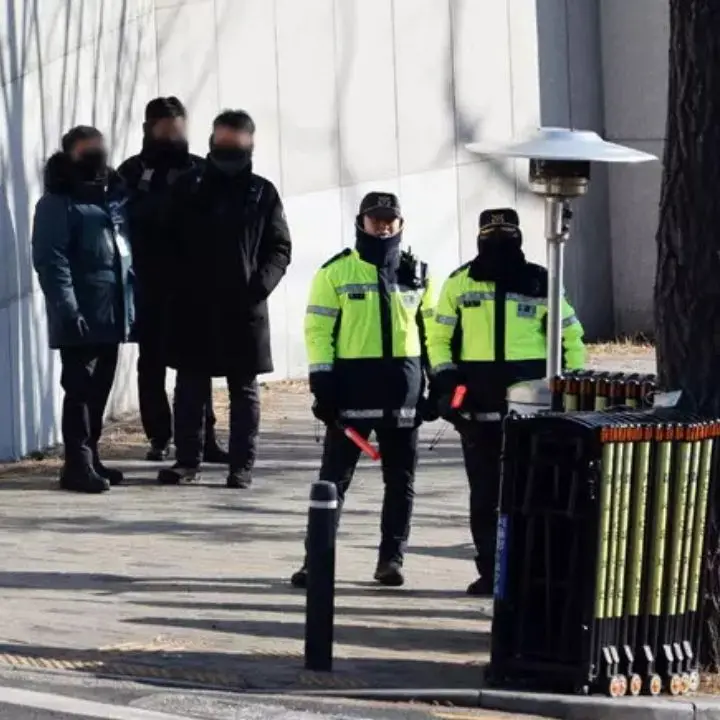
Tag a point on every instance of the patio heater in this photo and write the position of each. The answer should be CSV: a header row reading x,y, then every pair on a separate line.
x,y
559,172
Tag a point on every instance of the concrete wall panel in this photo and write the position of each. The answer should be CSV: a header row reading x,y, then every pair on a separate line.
x,y
635,40
366,90
634,198
430,204
479,187
424,81
187,64
126,80
482,82
8,402
316,227
523,43
308,95
246,39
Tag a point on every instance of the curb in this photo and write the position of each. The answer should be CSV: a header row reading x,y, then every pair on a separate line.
x,y
564,707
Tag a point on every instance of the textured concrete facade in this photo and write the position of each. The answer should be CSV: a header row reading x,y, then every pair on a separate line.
x,y
348,95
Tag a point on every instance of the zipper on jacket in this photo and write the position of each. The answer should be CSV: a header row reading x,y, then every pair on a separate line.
x,y
386,333
500,325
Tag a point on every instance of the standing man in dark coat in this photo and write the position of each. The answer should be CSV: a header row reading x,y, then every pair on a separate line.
x,y
232,248
148,178
82,256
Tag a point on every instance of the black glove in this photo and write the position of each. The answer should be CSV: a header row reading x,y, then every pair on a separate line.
x,y
325,411
323,387
428,408
455,416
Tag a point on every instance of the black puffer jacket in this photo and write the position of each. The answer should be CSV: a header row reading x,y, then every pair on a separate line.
x,y
82,256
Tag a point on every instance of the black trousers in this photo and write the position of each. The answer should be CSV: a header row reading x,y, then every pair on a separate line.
x,y
398,450
482,447
87,376
191,393
155,411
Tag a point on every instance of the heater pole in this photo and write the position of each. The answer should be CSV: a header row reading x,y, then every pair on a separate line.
x,y
556,233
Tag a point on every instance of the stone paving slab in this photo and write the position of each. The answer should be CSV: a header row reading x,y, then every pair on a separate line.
x,y
191,583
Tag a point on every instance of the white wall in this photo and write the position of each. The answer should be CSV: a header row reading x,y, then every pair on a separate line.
x,y
348,95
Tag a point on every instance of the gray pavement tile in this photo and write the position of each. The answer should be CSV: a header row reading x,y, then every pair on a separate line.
x,y
192,582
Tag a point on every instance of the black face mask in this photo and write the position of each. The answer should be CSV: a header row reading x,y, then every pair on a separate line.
x,y
92,166
379,251
164,151
230,160
499,257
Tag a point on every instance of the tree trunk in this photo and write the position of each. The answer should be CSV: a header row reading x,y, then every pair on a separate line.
x,y
687,287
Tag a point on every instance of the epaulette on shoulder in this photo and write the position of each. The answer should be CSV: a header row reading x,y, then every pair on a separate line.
x,y
460,269
335,258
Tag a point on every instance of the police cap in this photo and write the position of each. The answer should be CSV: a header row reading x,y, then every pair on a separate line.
x,y
380,204
505,219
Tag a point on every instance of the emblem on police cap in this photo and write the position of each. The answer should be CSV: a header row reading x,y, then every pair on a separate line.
x,y
384,201
497,218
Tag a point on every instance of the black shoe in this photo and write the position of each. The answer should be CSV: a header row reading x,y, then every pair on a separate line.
x,y
215,455
158,453
239,479
83,480
299,579
389,574
113,476
482,587
177,475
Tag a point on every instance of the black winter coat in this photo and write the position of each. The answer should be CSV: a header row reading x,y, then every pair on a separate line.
x,y
230,249
82,256
148,190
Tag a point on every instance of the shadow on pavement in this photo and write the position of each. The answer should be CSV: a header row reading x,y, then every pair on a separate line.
x,y
385,638
244,532
238,671
122,584
465,613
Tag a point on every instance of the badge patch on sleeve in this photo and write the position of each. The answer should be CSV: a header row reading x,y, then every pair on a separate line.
x,y
526,311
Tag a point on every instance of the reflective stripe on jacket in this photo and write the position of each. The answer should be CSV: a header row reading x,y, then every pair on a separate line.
x,y
368,330
494,338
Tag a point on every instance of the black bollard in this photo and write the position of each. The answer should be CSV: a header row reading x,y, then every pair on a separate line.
x,y
320,601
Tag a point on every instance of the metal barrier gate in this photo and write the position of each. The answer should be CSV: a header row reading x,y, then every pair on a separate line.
x,y
601,532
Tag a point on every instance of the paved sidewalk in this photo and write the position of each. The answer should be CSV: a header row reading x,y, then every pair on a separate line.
x,y
191,583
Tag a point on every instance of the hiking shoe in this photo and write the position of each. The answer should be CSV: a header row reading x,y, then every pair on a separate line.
x,y
158,453
240,479
177,475
482,587
83,480
299,579
113,476
215,455
389,574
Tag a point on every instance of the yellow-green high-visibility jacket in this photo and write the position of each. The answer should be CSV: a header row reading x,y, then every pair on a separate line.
x,y
365,340
489,338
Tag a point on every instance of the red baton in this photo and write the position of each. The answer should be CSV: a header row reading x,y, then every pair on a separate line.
x,y
458,397
361,442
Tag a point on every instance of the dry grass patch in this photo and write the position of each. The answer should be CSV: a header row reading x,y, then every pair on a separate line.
x,y
622,347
